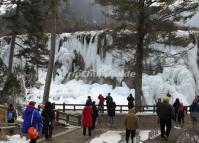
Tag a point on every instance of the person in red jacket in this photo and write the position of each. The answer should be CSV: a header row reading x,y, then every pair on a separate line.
x,y
101,103
87,121
181,110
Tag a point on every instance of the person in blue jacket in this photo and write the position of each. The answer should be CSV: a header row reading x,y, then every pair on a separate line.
x,y
32,118
195,110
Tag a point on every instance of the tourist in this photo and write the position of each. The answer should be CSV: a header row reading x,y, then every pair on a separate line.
x,y
195,110
87,121
181,111
89,100
166,114
130,100
157,106
175,106
108,99
48,120
32,122
111,112
131,123
11,116
95,114
101,103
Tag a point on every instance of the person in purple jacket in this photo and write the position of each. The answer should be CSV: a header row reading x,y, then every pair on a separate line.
x,y
32,118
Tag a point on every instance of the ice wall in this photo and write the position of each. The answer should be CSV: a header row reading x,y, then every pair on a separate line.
x,y
180,76
86,44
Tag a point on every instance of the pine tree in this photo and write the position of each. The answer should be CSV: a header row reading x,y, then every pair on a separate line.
x,y
35,17
29,17
147,19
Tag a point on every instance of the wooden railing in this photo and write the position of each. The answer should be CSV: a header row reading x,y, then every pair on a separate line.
x,y
74,118
121,108
68,118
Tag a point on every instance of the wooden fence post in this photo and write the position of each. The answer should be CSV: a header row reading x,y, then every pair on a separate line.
x,y
57,115
120,108
74,108
154,108
67,118
63,107
79,120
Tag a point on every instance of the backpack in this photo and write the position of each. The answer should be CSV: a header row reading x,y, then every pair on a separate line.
x,y
180,107
10,115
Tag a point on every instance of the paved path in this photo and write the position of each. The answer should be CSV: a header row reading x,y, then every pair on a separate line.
x,y
74,135
175,133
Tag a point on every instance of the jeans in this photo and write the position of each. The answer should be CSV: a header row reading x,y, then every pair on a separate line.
x,y
101,108
111,121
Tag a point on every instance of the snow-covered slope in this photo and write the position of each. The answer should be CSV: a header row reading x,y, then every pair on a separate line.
x,y
79,52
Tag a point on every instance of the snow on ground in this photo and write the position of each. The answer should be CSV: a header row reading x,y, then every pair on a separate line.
x,y
15,139
116,137
108,137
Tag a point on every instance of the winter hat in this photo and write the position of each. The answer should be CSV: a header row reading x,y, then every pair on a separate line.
x,y
169,95
165,99
32,103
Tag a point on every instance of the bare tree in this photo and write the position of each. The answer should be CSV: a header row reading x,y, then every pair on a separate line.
x,y
52,51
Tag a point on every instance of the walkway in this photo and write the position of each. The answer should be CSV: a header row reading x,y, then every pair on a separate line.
x,y
147,122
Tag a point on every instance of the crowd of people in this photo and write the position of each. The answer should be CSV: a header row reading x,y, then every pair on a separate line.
x,y
90,114
166,113
36,120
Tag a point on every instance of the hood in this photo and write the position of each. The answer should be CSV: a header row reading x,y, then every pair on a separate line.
x,y
29,110
132,110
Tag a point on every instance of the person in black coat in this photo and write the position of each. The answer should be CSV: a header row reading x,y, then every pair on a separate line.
x,y
130,101
111,112
95,114
89,100
158,104
48,119
108,100
175,106
165,113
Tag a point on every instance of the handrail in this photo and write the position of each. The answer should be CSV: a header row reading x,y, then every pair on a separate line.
x,y
79,107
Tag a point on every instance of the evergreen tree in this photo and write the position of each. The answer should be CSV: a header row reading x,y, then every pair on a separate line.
x,y
28,16
35,17
147,19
